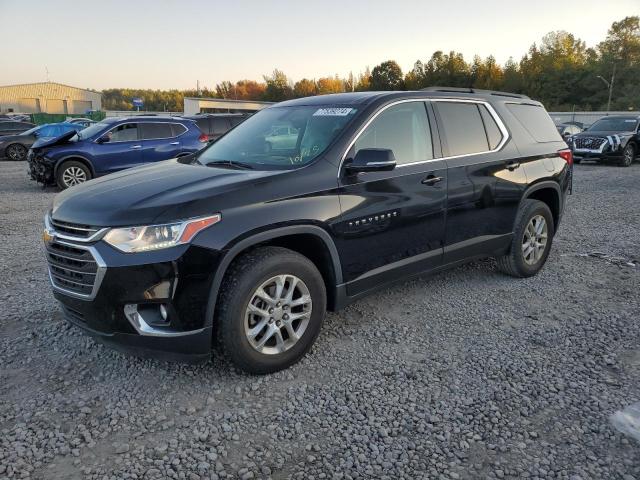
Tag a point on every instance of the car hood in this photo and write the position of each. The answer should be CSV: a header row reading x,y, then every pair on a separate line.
x,y
157,193
48,141
602,134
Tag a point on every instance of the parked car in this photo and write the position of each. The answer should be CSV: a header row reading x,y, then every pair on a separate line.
x,y
256,245
214,125
567,129
85,122
12,127
615,138
282,137
112,145
15,147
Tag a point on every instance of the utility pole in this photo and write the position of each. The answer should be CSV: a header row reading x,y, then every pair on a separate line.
x,y
609,85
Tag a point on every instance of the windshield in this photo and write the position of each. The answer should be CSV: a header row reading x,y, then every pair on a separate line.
x,y
614,125
280,137
90,131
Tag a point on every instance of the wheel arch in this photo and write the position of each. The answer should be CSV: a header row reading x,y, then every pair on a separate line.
x,y
548,192
318,246
75,158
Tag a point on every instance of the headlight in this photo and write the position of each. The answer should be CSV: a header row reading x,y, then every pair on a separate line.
x,y
156,237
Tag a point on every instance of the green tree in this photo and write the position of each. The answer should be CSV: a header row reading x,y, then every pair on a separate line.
x,y
278,88
387,76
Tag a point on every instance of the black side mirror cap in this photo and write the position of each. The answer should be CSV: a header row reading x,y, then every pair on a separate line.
x,y
372,160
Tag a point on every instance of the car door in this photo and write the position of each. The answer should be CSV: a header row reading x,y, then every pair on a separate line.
x,y
486,180
117,149
392,222
159,141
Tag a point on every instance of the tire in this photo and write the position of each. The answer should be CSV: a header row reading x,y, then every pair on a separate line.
x,y
235,323
515,263
72,173
628,155
577,161
15,152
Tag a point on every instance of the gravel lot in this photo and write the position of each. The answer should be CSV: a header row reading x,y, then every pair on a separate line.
x,y
468,374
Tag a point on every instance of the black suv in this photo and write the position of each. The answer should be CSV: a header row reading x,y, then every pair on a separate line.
x,y
613,139
250,244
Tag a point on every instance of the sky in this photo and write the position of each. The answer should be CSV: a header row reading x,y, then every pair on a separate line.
x,y
167,44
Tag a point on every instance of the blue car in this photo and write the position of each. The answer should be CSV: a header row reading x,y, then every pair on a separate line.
x,y
15,147
110,146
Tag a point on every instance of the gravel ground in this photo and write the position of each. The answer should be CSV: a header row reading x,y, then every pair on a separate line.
x,y
468,374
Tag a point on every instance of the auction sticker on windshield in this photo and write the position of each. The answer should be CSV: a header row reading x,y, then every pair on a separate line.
x,y
332,112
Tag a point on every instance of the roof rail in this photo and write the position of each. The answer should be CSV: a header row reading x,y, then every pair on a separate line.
x,y
474,90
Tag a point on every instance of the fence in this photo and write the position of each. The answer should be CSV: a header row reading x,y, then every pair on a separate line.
x,y
42,118
587,118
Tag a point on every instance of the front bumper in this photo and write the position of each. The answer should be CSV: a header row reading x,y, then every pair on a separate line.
x,y
41,169
118,299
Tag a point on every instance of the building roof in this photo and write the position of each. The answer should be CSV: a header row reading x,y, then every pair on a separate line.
x,y
47,84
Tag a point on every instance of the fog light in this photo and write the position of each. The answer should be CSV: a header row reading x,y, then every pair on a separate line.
x,y
163,312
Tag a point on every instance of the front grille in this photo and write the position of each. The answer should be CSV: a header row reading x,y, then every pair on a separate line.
x,y
589,143
72,269
73,229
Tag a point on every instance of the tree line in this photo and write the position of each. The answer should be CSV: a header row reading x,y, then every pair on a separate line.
x,y
560,71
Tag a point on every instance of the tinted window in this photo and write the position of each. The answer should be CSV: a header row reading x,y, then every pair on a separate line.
x,y
404,129
493,132
127,132
620,124
178,129
463,127
220,125
536,121
236,121
152,131
204,125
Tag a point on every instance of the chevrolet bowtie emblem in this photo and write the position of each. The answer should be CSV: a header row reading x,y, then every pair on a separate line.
x,y
47,236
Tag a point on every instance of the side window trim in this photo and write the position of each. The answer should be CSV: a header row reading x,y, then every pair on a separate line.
x,y
494,115
118,126
429,103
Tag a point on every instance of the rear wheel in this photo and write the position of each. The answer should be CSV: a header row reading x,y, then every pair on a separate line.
x,y
628,155
271,307
16,152
72,173
531,243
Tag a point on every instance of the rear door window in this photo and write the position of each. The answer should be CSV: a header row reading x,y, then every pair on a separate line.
x,y
462,127
179,129
154,131
536,121
404,129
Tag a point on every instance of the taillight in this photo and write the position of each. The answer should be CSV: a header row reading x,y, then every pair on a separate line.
x,y
567,156
203,138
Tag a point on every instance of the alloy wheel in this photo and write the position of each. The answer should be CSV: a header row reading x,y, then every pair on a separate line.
x,y
277,314
534,240
15,152
73,176
628,155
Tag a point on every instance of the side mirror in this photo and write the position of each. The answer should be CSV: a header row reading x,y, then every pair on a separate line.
x,y
104,139
372,160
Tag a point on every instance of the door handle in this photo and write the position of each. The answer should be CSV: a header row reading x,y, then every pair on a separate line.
x,y
174,143
512,165
431,180
135,147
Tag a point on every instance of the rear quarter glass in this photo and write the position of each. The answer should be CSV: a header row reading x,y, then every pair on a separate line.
x,y
536,121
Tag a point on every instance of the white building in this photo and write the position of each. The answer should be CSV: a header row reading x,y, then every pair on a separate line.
x,y
48,97
193,105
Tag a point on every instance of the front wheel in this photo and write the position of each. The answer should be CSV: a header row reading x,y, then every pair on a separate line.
x,y
16,152
271,307
628,155
531,243
72,173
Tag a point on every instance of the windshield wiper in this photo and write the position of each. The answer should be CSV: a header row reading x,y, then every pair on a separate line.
x,y
230,163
